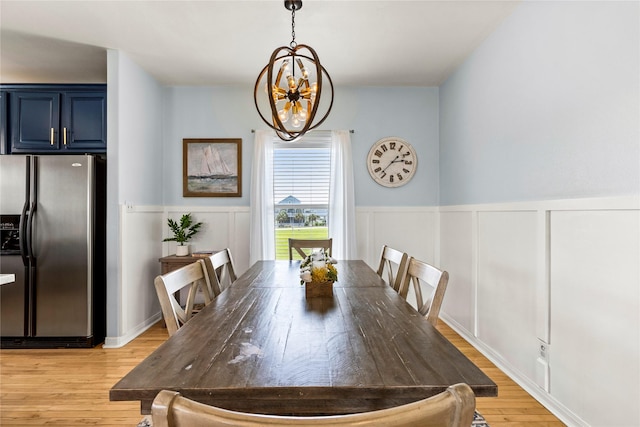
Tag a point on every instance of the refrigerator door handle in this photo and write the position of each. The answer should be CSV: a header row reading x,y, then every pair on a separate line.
x,y
29,238
22,229
22,234
32,212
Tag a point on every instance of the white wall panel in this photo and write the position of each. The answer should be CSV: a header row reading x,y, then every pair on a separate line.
x,y
507,275
363,235
143,228
566,271
411,230
408,230
457,257
140,248
223,227
239,245
214,233
595,320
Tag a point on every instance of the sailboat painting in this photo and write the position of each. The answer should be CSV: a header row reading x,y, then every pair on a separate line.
x,y
212,168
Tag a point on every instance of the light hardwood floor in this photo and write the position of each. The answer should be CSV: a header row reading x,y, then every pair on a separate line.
x,y
70,387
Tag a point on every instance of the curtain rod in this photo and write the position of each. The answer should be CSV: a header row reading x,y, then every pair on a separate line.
x,y
350,131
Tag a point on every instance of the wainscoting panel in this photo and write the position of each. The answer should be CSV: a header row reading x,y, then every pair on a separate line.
x,y
506,286
550,292
142,229
140,248
226,227
411,230
240,245
595,315
457,256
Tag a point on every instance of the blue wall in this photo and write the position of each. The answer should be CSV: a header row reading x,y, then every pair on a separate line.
x,y
546,108
373,113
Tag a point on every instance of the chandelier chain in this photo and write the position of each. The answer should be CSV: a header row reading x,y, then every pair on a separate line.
x,y
293,43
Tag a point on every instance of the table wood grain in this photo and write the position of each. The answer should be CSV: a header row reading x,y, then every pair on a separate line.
x,y
262,347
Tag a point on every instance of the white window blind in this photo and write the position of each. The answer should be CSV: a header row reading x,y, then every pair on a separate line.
x,y
301,180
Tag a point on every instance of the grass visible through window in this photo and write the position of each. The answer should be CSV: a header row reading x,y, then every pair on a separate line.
x,y
283,234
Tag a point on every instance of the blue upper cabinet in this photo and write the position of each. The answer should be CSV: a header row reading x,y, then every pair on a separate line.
x,y
57,119
84,121
35,121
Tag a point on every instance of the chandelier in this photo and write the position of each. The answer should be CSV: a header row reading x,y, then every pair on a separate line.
x,y
293,85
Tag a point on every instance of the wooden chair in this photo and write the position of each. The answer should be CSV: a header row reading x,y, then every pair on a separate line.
x,y
454,407
189,278
300,244
221,271
395,263
422,274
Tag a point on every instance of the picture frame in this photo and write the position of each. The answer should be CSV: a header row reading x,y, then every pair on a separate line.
x,y
212,167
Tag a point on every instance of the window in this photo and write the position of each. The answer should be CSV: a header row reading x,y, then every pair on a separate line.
x,y
340,218
301,180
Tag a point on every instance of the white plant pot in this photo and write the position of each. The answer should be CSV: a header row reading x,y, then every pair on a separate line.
x,y
182,250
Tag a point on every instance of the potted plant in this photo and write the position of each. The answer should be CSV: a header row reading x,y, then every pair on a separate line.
x,y
183,231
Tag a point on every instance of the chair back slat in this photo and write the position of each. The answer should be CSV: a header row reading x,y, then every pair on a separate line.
x,y
422,276
190,278
221,270
300,244
395,262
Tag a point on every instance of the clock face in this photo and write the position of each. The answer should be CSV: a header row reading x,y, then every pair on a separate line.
x,y
392,162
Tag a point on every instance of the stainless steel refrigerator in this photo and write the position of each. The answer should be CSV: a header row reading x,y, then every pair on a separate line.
x,y
53,226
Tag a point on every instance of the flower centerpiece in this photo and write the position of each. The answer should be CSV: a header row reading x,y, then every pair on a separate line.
x,y
317,273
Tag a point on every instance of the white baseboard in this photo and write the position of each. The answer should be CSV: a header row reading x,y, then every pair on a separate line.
x,y
121,341
545,399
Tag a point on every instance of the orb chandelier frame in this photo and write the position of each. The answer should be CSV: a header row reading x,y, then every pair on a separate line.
x,y
289,87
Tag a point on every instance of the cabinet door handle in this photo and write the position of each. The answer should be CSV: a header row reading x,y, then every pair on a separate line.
x,y
51,139
64,136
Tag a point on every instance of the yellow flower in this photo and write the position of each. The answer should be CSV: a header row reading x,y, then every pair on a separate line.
x,y
323,274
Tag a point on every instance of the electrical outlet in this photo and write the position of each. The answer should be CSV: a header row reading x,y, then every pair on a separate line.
x,y
543,350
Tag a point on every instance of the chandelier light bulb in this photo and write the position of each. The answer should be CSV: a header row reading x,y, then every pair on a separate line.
x,y
285,67
301,112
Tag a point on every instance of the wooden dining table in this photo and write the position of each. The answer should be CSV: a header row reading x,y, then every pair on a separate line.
x,y
261,346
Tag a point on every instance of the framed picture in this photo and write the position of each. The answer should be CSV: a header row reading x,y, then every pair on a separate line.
x,y
212,167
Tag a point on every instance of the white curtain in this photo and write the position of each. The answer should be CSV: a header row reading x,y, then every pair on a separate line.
x,y
342,211
262,207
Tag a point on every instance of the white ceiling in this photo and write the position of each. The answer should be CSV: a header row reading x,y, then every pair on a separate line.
x,y
184,42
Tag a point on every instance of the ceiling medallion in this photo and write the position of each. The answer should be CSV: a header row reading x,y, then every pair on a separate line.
x,y
293,84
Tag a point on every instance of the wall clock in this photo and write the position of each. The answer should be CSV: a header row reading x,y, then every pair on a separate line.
x,y
392,162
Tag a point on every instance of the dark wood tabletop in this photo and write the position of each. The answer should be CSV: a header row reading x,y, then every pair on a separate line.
x,y
262,347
